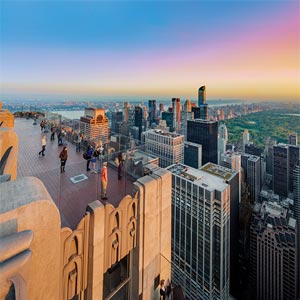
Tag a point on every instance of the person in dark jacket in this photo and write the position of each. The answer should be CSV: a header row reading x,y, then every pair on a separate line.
x,y
89,154
63,158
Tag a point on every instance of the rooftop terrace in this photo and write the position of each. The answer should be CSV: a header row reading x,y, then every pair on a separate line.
x,y
70,198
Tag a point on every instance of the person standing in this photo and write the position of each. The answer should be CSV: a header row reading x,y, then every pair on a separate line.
x,y
44,141
89,153
78,142
52,132
104,181
120,165
63,159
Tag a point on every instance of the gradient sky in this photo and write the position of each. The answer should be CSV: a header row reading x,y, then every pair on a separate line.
x,y
239,49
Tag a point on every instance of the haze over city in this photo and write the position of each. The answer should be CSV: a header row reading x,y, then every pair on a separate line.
x,y
245,50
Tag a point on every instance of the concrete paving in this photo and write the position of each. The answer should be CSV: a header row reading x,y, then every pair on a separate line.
x,y
70,198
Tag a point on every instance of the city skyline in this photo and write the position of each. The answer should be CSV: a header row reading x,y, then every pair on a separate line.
x,y
246,50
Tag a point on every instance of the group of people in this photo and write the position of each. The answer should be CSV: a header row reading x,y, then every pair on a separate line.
x,y
91,155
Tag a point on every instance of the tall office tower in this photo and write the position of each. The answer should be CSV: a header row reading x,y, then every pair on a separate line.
x,y
251,165
252,149
176,113
196,112
293,139
273,258
161,108
294,156
125,112
232,160
269,155
193,155
200,233
281,169
185,116
168,117
94,125
152,111
138,120
202,103
246,139
167,146
232,178
116,121
205,133
296,195
131,113
222,140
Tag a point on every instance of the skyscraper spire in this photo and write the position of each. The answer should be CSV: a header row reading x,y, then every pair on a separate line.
x,y
202,95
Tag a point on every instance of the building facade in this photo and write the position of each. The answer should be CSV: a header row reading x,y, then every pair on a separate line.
x,y
152,111
200,233
176,114
167,146
251,165
193,155
94,125
204,133
273,258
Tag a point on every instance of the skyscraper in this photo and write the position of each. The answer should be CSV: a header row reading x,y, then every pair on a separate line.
x,y
168,117
273,258
294,156
222,140
252,149
94,125
231,177
200,233
152,111
251,165
186,115
296,195
176,113
281,169
193,155
167,146
205,133
202,103
116,121
138,119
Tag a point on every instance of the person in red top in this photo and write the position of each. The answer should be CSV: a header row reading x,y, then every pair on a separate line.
x,y
104,181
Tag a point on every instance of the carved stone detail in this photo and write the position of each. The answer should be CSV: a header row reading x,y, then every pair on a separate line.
x,y
14,263
75,259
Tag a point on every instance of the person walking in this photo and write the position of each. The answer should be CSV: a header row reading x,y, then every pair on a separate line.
x,y
104,181
89,153
63,159
44,141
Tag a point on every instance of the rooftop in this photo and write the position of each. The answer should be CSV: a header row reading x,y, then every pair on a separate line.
x,y
205,179
165,133
71,198
218,171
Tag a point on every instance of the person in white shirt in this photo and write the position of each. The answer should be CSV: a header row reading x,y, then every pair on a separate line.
x,y
44,140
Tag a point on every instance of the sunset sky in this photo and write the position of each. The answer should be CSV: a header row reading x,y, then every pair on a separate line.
x,y
239,49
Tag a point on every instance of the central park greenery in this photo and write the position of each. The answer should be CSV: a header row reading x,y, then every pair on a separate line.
x,y
274,123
